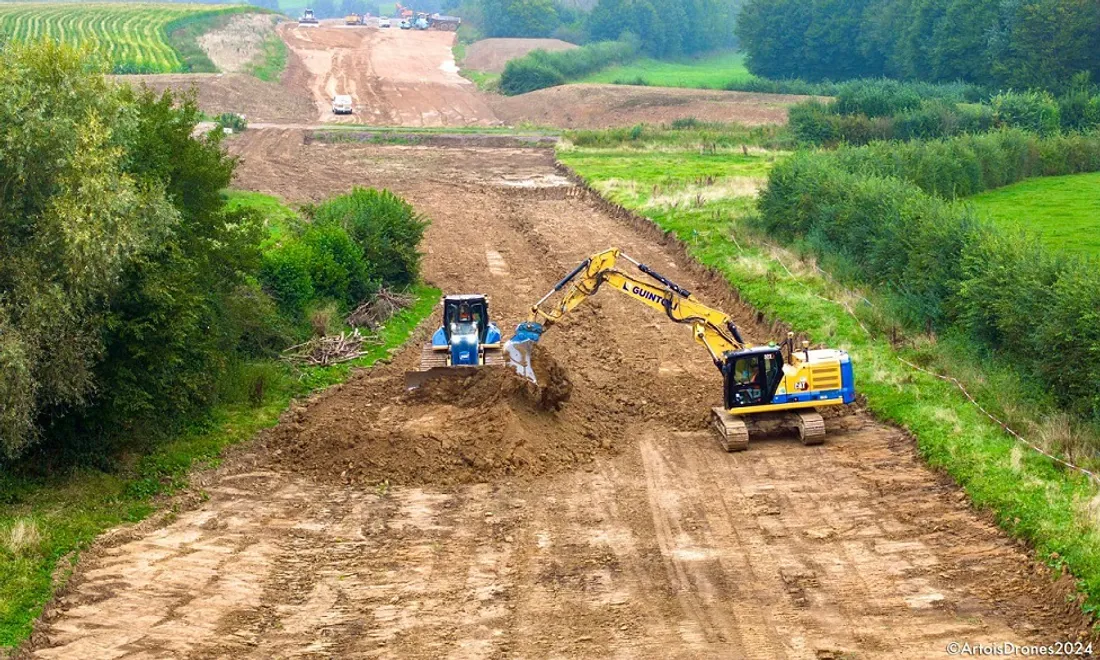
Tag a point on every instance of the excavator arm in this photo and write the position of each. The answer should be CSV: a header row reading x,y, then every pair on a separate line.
x,y
713,329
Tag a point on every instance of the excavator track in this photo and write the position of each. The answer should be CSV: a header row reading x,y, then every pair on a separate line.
x,y
811,427
732,431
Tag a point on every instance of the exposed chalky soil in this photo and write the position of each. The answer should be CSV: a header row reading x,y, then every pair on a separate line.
x,y
473,521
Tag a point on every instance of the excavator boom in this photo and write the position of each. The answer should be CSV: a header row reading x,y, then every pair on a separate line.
x,y
763,387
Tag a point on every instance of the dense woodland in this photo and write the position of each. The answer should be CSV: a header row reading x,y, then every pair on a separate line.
x,y
1001,43
664,28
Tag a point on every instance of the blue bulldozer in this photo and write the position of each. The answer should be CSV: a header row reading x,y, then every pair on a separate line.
x,y
466,341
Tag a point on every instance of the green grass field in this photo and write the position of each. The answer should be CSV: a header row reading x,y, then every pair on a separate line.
x,y
133,36
1063,210
46,520
712,72
1029,495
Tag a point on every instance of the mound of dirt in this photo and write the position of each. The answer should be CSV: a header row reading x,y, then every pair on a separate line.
x,y
603,106
492,54
491,424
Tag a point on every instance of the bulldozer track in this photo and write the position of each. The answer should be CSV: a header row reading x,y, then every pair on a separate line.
x,y
430,358
494,356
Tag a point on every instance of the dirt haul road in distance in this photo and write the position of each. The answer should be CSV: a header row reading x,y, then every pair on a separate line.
x,y
469,522
395,77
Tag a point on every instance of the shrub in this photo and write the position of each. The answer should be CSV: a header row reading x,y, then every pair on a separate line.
x,y
521,76
231,120
286,275
385,227
876,98
1079,110
337,267
540,69
1033,111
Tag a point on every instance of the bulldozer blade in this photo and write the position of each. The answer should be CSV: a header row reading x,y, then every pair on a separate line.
x,y
414,379
518,354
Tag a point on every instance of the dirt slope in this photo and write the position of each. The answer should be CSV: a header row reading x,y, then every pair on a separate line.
x,y
234,46
234,92
603,106
492,54
395,77
647,541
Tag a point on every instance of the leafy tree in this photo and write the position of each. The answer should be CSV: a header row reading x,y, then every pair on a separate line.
x,y
772,34
71,217
166,336
960,41
520,18
1043,43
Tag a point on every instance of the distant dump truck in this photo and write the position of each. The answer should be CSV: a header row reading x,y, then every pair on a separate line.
x,y
353,19
447,23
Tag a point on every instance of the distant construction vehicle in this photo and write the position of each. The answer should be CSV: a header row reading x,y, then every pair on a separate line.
x,y
307,18
445,23
354,19
765,388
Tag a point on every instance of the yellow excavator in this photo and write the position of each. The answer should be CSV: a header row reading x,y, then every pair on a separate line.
x,y
766,388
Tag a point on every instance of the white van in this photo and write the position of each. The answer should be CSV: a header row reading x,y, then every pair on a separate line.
x,y
341,105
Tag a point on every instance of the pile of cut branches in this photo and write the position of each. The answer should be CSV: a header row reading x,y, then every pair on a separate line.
x,y
379,309
331,349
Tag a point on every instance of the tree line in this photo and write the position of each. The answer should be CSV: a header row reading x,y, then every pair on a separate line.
x,y
665,28
999,43
129,289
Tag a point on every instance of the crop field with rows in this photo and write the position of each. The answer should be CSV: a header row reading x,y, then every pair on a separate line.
x,y
133,36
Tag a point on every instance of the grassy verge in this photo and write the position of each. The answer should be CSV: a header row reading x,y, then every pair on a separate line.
x,y
271,61
518,131
1063,210
1030,496
712,72
183,35
485,81
45,521
683,135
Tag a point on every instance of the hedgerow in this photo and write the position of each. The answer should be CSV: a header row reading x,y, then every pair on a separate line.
x,y
540,69
883,212
867,111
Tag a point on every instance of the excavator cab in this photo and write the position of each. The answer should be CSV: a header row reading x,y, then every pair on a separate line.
x,y
752,376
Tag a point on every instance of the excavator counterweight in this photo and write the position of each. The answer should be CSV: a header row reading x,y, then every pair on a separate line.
x,y
765,388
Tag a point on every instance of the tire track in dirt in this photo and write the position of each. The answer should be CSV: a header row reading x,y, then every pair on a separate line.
x,y
395,77
649,541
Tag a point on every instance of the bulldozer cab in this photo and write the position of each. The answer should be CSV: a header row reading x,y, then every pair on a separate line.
x,y
465,316
752,376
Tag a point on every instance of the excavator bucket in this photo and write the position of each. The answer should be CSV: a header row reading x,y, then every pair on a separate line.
x,y
519,349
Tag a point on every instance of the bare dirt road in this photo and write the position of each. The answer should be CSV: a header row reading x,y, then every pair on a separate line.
x,y
395,77
474,524
409,78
